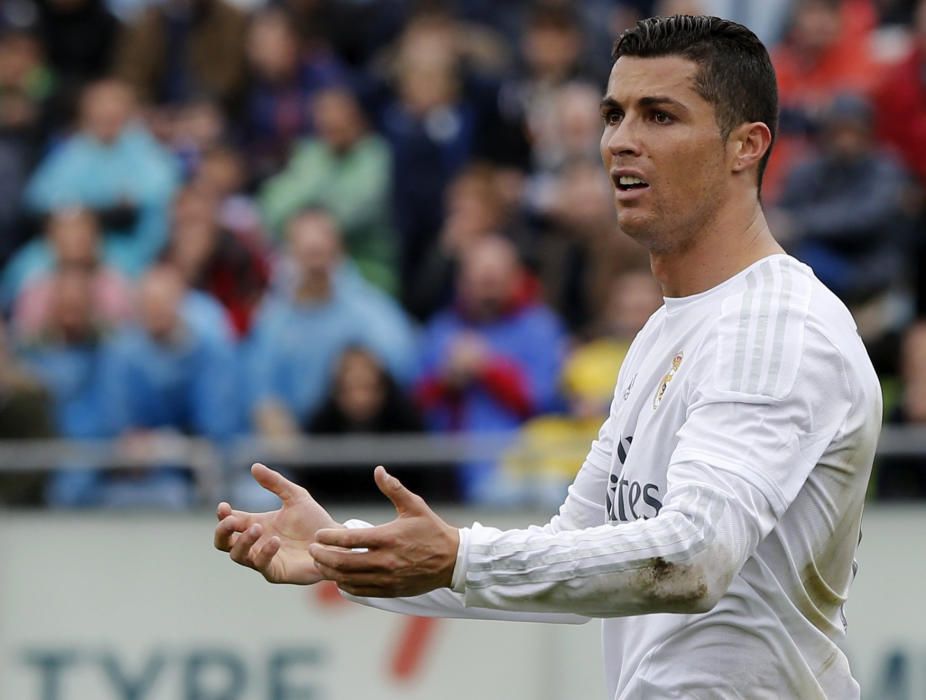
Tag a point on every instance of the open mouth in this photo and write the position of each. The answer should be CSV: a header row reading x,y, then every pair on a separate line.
x,y
627,183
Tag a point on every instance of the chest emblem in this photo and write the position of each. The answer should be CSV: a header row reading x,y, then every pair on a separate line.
x,y
664,384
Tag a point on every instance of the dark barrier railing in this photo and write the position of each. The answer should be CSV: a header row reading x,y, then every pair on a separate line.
x,y
213,466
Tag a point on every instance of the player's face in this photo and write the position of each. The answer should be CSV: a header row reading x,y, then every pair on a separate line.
x,y
663,149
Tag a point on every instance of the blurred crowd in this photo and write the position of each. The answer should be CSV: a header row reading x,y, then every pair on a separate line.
x,y
223,218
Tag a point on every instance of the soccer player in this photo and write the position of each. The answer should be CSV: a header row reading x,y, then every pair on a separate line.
x,y
715,520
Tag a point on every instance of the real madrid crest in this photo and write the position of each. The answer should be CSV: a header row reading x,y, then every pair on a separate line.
x,y
664,384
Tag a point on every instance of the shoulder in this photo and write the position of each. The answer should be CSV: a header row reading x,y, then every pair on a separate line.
x,y
73,150
766,327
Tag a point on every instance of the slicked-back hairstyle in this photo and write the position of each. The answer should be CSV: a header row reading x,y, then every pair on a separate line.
x,y
735,73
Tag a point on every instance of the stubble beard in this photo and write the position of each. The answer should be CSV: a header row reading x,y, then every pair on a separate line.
x,y
656,234
663,234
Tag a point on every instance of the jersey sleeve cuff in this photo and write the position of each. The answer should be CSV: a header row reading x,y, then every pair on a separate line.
x,y
355,524
458,581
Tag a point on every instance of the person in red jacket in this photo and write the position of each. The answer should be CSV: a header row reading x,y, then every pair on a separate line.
x,y
900,123
490,361
900,102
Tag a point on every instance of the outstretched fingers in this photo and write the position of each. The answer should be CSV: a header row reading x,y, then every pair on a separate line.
x,y
223,511
262,556
405,502
241,550
227,532
276,483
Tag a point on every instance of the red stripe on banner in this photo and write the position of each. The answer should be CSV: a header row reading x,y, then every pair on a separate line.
x,y
410,651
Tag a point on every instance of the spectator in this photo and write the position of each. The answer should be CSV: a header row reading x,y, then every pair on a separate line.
x,y
165,377
432,127
491,361
843,210
75,239
178,50
475,207
166,373
579,249
229,268
222,171
112,166
302,330
826,52
900,102
66,356
570,129
344,169
287,72
551,46
365,400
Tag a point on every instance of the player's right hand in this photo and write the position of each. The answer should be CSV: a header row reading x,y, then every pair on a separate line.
x,y
275,543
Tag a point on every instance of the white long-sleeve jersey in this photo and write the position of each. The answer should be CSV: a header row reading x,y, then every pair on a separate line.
x,y
715,520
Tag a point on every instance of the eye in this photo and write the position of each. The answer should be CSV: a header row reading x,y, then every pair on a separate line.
x,y
612,117
662,117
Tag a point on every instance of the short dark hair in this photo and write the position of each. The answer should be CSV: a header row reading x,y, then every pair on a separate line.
x,y
735,73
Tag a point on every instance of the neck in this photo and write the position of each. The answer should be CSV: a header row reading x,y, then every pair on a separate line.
x,y
728,246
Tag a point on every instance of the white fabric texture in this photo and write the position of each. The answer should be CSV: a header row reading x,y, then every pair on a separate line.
x,y
715,520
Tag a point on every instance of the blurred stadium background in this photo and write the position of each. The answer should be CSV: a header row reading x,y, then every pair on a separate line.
x,y
327,234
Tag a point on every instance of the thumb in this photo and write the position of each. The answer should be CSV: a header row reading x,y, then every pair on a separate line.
x,y
275,482
406,503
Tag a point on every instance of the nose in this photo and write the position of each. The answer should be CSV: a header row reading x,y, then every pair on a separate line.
x,y
622,139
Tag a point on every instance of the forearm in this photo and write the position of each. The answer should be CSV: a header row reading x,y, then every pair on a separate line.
x,y
680,561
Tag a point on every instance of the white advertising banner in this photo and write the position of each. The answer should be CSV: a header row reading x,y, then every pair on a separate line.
x,y
141,607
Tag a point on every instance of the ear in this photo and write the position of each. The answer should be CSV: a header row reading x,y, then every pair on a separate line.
x,y
749,143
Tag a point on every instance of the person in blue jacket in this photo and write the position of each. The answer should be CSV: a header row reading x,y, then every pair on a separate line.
x,y
491,360
166,375
322,309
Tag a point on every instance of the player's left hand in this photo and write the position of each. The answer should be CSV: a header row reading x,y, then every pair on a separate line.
x,y
413,554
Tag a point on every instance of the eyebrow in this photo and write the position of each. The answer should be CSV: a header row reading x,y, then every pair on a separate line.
x,y
648,101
